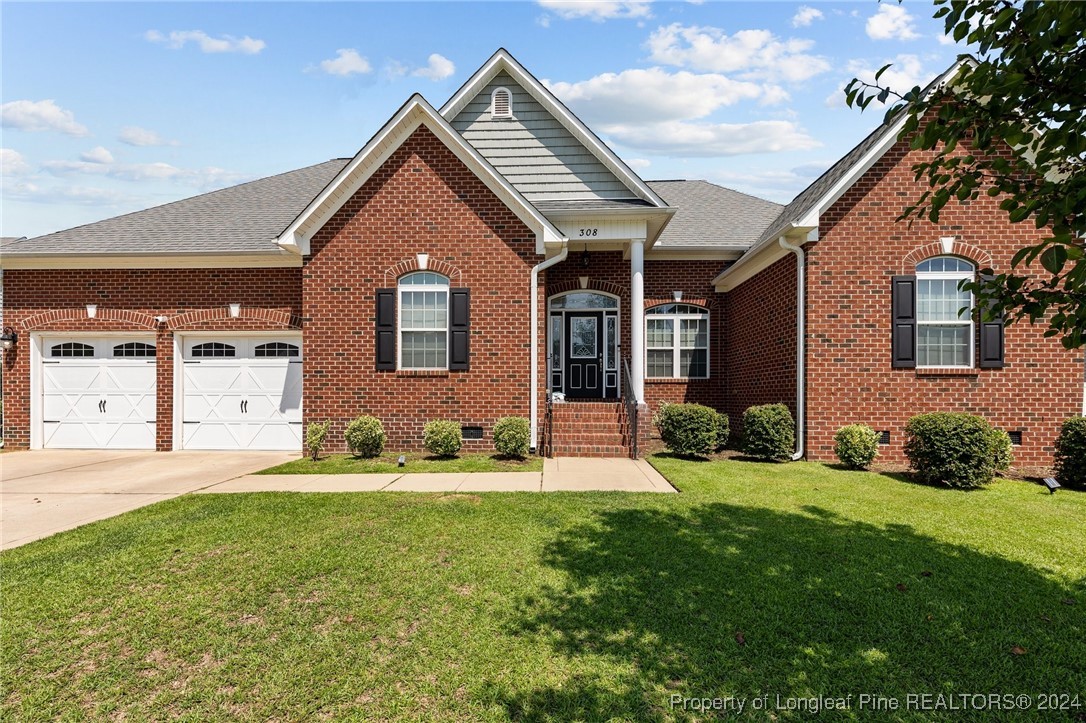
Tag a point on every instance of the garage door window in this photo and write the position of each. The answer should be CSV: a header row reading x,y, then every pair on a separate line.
x,y
134,349
276,349
72,349
212,349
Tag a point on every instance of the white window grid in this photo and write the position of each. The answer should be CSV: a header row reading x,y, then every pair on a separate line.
x,y
423,316
938,302
685,330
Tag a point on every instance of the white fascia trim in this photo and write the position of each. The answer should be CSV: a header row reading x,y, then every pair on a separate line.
x,y
158,261
502,60
693,253
415,113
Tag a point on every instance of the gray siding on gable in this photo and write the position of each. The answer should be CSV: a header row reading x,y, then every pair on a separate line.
x,y
533,150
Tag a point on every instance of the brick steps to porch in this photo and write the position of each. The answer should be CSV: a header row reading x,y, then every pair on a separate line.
x,y
590,429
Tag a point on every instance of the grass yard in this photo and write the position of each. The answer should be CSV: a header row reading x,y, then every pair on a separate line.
x,y
414,462
790,580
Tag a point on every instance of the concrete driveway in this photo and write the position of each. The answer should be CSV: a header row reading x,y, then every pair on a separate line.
x,y
47,491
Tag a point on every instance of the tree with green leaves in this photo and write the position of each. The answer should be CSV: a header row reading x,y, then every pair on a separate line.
x,y
1010,123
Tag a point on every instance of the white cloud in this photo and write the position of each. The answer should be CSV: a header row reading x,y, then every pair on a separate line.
x,y
598,10
207,177
438,67
136,136
12,163
780,185
347,62
177,39
906,73
751,53
652,94
41,115
78,195
805,16
891,22
680,138
638,164
98,154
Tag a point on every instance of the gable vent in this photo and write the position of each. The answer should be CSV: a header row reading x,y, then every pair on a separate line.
x,y
501,103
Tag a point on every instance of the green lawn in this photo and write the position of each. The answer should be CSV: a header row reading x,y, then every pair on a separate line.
x,y
790,580
414,462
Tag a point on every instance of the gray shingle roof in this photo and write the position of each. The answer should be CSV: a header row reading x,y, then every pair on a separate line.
x,y
243,219
711,215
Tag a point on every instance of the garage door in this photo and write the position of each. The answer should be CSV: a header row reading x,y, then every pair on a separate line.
x,y
98,393
242,393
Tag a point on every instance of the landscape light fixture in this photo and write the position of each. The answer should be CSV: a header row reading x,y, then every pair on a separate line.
x,y
1051,484
8,338
400,462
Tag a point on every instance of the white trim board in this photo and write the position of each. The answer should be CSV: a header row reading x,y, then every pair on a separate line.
x,y
413,114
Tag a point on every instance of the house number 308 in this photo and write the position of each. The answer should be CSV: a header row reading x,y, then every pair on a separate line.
x,y
587,232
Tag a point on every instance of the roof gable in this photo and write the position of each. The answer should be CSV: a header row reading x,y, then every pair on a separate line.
x,y
551,154
413,114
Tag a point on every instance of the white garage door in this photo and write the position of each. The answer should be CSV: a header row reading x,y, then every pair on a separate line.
x,y
98,393
242,393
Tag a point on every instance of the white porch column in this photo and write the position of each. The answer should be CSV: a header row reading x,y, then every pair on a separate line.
x,y
637,318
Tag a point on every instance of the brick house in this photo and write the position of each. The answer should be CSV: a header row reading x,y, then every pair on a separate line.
x,y
489,257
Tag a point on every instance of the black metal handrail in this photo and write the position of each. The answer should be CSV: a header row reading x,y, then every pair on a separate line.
x,y
548,417
631,407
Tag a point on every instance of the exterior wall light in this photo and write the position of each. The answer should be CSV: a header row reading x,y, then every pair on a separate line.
x,y
92,311
1051,484
235,310
8,338
162,319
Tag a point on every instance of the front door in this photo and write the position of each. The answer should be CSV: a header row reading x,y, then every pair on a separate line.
x,y
584,355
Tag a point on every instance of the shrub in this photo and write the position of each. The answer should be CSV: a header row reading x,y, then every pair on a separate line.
x,y
857,445
442,438
723,430
769,432
512,437
365,436
959,450
315,434
1071,454
660,418
689,428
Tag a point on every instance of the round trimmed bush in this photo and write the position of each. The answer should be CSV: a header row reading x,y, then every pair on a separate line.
x,y
723,430
856,446
442,438
1071,454
315,434
769,432
512,437
689,429
365,436
955,449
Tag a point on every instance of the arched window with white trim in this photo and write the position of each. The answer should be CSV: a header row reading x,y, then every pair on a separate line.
x,y
944,313
424,321
677,342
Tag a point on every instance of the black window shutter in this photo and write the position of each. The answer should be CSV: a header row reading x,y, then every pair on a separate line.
x,y
991,338
459,328
904,321
386,328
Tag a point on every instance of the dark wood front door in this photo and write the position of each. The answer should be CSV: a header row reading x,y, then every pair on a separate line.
x,y
584,355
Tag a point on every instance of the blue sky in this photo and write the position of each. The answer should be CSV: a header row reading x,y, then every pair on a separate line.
x,y
110,108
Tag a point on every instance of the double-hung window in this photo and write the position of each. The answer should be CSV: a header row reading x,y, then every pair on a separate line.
x,y
944,313
677,341
424,321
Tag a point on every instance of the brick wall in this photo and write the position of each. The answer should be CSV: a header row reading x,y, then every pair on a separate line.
x,y
422,200
608,271
849,374
128,300
760,338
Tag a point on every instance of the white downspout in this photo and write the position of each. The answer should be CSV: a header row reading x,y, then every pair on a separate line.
x,y
534,403
801,330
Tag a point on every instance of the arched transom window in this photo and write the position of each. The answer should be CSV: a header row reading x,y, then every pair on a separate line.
x,y
944,313
424,321
677,341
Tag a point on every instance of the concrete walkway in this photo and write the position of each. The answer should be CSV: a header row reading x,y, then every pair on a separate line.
x,y
45,492
569,474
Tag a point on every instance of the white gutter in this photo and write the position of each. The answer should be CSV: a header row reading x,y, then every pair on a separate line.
x,y
801,377
534,346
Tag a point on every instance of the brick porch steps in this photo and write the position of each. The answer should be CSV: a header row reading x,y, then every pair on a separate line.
x,y
590,429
